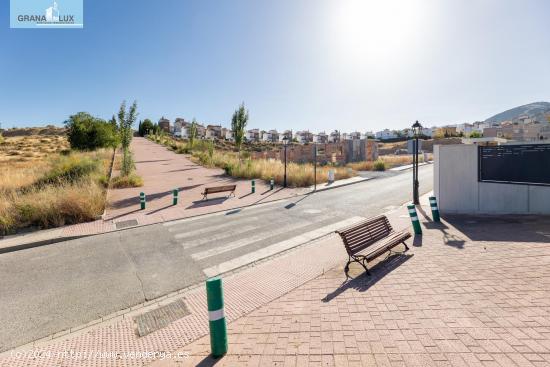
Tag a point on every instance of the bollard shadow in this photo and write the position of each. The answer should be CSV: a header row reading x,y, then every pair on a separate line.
x,y
242,197
159,209
363,282
152,161
292,205
123,214
265,197
421,210
208,361
135,199
417,240
183,169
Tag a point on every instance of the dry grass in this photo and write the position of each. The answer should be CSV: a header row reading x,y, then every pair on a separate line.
x,y
132,180
42,188
387,161
30,148
298,175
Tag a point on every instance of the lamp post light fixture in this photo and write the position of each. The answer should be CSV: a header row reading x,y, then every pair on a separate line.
x,y
417,131
285,144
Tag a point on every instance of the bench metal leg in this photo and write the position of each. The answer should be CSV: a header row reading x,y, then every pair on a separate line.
x,y
365,267
357,260
406,247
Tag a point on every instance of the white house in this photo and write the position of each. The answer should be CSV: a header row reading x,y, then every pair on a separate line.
x,y
253,135
385,134
320,138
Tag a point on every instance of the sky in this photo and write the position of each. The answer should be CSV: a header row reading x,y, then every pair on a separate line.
x,y
296,64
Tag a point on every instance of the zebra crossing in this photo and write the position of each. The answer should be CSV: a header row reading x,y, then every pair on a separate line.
x,y
225,241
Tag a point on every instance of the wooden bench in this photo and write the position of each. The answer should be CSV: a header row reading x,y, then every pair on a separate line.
x,y
216,189
369,239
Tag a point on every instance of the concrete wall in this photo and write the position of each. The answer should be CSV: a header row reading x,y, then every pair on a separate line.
x,y
458,191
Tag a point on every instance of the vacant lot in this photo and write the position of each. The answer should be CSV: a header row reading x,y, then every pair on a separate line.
x,y
43,184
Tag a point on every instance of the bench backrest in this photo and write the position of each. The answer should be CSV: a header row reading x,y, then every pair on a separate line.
x,y
362,235
213,190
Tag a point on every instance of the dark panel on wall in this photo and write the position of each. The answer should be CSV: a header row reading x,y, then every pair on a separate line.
x,y
521,164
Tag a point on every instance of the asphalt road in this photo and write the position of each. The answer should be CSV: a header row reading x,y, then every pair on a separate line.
x,y
49,289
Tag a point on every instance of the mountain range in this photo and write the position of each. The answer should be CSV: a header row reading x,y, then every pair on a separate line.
x,y
538,111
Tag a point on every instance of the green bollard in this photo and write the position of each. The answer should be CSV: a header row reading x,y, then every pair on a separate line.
x,y
414,219
435,209
271,184
216,317
142,200
175,201
253,186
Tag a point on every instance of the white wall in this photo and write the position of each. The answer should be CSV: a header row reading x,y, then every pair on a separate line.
x,y
458,191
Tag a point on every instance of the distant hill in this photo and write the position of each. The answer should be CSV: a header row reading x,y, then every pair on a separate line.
x,y
27,131
536,110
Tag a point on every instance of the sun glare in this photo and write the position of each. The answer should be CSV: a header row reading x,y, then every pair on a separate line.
x,y
374,33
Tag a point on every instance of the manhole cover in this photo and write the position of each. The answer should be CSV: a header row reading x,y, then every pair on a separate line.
x,y
126,223
161,317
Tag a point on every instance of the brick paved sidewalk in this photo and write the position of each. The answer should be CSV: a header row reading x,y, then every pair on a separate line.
x,y
471,292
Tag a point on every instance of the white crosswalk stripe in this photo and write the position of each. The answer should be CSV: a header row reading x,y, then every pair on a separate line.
x,y
265,232
278,247
207,229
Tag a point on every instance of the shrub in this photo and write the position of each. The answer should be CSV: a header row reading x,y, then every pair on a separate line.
x,y
86,132
131,180
379,165
69,169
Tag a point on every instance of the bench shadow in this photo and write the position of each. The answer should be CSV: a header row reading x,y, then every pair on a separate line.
x,y
363,282
207,202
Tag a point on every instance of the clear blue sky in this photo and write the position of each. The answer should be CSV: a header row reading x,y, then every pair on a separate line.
x,y
301,64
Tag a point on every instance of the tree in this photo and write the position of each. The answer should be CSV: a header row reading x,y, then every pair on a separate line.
x,y
476,134
86,132
238,125
192,133
126,120
146,127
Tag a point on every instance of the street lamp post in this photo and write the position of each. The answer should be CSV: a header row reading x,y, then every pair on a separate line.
x,y
417,130
285,143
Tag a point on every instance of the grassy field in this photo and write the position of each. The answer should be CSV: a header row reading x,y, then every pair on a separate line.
x,y
45,185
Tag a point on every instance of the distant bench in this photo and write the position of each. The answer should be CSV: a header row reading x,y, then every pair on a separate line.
x,y
369,239
217,189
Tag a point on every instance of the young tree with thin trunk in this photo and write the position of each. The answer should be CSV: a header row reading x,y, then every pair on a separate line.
x,y
238,125
192,133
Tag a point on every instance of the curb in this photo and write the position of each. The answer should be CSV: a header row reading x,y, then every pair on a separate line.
x,y
364,179
51,241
